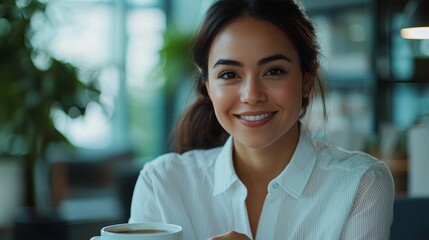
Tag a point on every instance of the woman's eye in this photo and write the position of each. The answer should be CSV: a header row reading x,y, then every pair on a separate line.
x,y
228,75
274,72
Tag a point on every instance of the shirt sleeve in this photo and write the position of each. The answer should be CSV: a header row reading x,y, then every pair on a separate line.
x,y
372,211
144,206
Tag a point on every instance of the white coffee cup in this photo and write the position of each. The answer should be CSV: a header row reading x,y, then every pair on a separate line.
x,y
140,231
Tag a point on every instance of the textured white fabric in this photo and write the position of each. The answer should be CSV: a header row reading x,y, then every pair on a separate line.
x,y
323,193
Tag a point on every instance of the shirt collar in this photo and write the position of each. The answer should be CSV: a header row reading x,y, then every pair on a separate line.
x,y
292,179
297,173
224,172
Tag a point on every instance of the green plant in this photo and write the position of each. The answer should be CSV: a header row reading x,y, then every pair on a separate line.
x,y
176,67
176,62
29,93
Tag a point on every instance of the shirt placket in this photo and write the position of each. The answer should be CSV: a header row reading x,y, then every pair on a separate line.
x,y
267,227
240,211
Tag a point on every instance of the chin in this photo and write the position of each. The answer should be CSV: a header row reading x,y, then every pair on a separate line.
x,y
256,143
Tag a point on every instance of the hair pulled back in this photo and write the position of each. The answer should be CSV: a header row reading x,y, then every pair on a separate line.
x,y
198,128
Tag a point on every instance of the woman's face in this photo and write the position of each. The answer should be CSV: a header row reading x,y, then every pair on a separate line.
x,y
255,82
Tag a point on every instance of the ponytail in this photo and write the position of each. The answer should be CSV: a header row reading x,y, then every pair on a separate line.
x,y
198,127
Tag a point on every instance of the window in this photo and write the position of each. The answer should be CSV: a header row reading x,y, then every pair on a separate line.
x,y
120,40
344,35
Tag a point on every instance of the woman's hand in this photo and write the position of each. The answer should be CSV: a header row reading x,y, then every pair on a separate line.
x,y
231,235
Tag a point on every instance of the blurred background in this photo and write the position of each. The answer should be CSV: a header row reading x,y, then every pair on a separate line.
x,y
90,90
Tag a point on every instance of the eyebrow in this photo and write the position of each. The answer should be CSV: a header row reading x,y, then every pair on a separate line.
x,y
228,62
273,58
260,62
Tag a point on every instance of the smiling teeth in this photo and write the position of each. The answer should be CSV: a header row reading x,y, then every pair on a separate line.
x,y
256,117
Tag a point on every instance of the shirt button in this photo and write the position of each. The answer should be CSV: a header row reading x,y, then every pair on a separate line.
x,y
275,185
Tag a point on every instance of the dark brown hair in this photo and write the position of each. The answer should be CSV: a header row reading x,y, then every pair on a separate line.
x,y
198,128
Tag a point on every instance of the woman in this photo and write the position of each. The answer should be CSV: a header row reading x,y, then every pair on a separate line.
x,y
246,167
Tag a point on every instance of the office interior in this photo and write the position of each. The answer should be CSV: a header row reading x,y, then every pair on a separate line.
x,y
133,55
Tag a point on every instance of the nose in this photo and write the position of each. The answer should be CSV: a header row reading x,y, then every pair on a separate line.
x,y
252,91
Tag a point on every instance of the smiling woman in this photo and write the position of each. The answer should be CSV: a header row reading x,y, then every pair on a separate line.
x,y
243,151
256,92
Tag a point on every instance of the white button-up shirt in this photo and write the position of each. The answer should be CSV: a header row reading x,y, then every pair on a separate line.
x,y
323,193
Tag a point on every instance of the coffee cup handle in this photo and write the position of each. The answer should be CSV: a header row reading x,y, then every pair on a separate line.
x,y
96,238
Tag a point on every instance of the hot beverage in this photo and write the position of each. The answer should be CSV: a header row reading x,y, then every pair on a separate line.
x,y
140,231
131,231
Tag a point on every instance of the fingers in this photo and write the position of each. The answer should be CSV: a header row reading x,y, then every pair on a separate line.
x,y
231,235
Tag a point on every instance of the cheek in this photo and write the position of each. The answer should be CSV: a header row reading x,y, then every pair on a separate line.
x,y
221,98
216,94
289,95
218,98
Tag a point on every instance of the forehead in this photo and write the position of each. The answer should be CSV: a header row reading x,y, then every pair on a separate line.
x,y
248,37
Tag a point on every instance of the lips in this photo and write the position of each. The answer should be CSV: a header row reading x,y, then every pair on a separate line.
x,y
255,119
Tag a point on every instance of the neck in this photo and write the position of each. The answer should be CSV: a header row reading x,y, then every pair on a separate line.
x,y
260,166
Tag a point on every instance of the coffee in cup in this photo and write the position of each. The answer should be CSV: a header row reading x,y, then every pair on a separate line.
x,y
140,231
